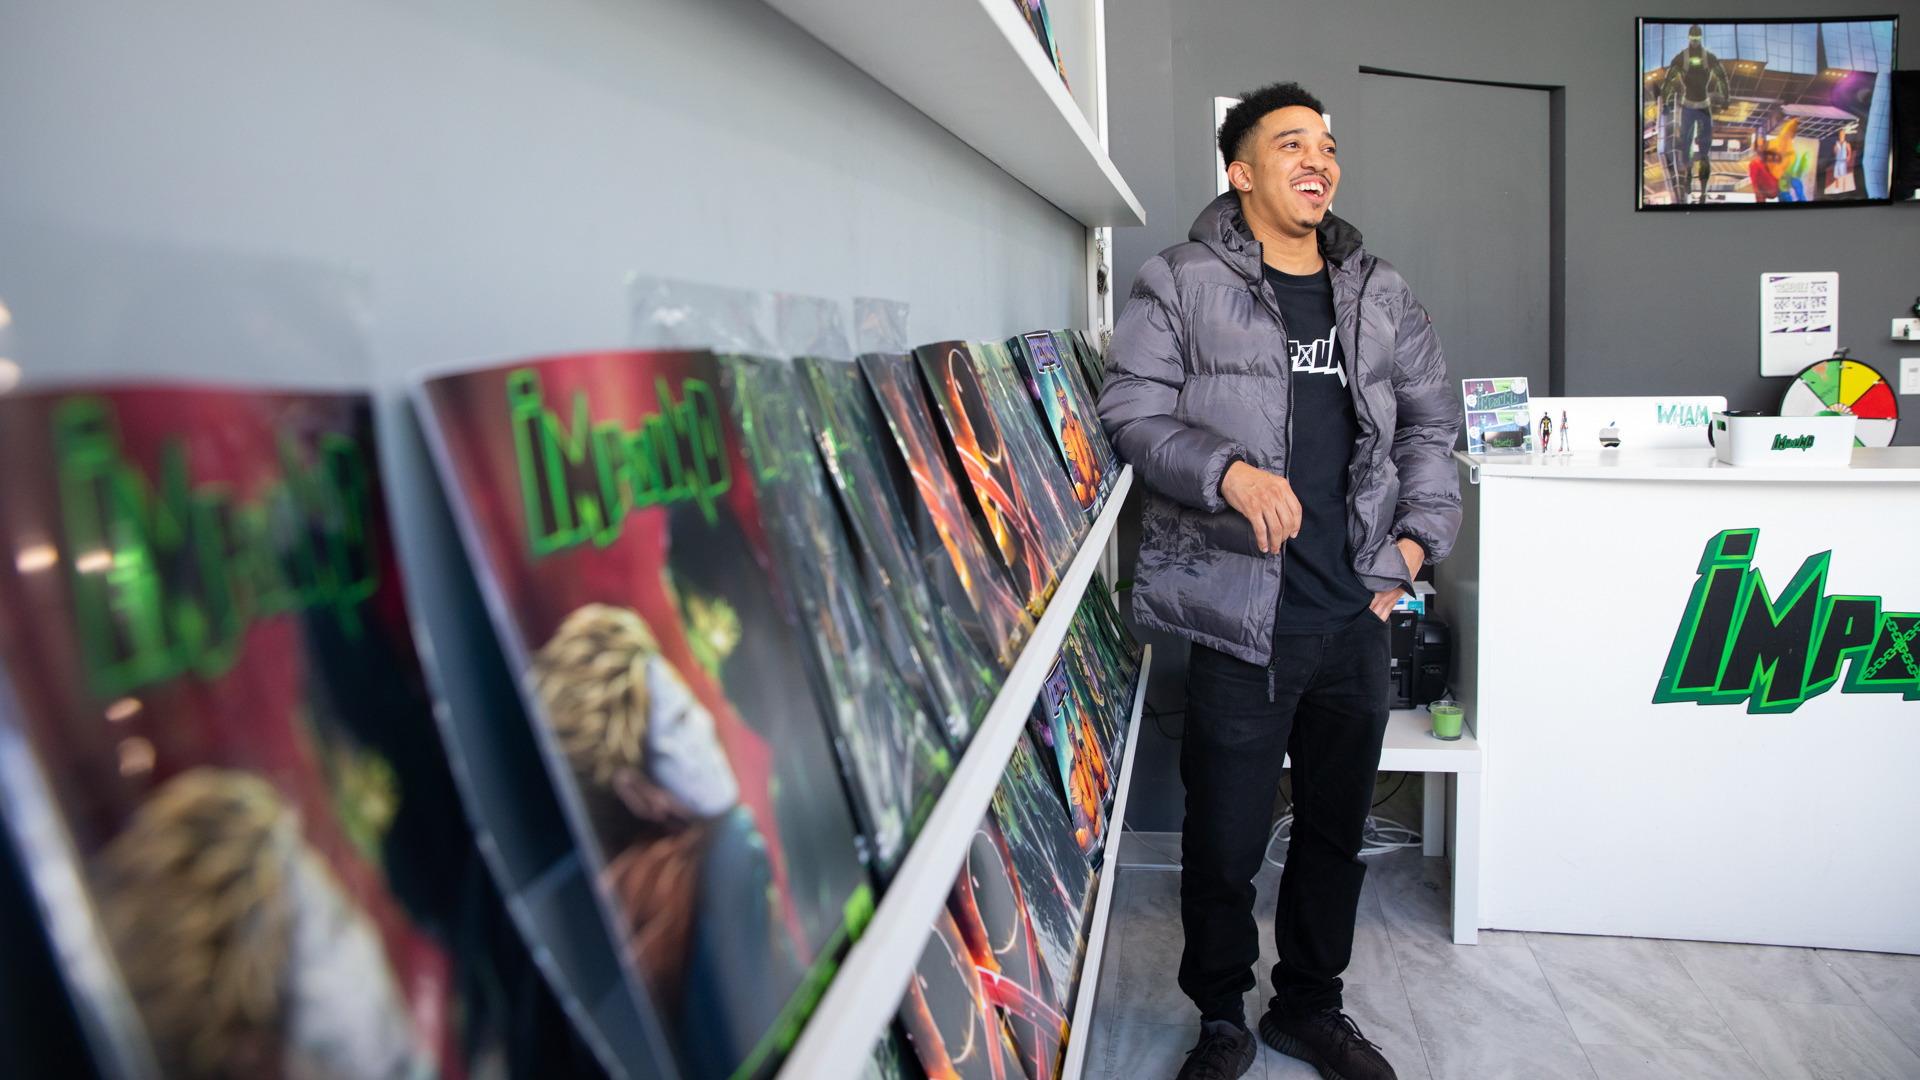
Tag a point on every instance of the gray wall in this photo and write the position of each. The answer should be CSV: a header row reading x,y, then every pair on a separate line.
x,y
1656,303
342,192
339,193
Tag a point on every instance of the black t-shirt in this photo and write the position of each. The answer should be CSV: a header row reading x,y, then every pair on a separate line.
x,y
1320,592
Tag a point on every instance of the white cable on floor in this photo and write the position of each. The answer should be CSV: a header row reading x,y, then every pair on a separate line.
x,y
1173,861
1379,836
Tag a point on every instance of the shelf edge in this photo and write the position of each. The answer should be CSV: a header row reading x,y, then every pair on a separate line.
x,y
909,49
865,992
1082,1025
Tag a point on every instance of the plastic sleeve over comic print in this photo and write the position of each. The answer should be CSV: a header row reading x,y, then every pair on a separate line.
x,y
615,516
216,740
958,678
897,761
969,417
956,559
1035,464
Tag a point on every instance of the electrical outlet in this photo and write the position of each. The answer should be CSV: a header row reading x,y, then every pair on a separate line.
x,y
1906,329
1910,374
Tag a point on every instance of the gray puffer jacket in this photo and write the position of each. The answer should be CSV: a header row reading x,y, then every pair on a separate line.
x,y
1197,377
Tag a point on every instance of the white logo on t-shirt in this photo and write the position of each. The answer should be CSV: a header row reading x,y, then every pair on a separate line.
x,y
1316,357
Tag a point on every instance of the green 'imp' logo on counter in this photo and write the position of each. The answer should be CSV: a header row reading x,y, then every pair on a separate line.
x,y
1736,643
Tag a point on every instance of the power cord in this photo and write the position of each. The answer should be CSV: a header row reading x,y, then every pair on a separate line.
x,y
1379,836
1156,714
1172,859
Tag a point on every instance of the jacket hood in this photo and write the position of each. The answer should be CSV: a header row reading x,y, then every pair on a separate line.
x,y
1223,229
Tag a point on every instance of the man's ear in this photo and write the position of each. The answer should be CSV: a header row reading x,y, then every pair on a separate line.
x,y
1239,177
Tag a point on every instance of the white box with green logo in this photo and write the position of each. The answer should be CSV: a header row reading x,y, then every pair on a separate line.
x,y
1783,440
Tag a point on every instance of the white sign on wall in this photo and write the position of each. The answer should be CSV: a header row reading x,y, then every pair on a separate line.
x,y
1220,107
1799,320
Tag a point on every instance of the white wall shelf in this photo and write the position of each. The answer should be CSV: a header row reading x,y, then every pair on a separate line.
x,y
975,68
1081,1025
865,993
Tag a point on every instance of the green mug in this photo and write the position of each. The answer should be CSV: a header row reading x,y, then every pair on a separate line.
x,y
1447,715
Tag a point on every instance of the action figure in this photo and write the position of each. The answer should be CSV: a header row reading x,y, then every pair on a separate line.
x,y
1564,448
1840,173
1778,164
1546,435
1696,84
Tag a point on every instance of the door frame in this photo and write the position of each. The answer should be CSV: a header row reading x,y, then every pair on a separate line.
x,y
1556,212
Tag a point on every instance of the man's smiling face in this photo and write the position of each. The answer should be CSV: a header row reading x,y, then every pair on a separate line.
x,y
1287,169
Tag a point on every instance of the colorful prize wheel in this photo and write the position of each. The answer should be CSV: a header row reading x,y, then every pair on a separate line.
x,y
1846,386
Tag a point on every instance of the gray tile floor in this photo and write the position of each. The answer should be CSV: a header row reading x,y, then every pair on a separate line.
x,y
1526,1006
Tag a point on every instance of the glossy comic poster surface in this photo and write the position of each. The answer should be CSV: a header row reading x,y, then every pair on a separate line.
x,y
1089,728
892,1059
1035,464
990,908
1108,652
1116,642
1076,435
971,578
614,518
1013,519
1085,402
207,684
1054,876
954,1029
959,679
1104,690
1060,724
896,761
1092,365
1765,112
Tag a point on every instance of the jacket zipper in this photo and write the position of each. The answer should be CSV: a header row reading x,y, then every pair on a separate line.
x,y
1359,313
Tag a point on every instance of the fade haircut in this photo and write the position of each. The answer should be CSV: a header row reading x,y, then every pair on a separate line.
x,y
1253,108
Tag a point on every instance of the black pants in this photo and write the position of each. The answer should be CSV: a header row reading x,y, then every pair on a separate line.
x,y
1328,709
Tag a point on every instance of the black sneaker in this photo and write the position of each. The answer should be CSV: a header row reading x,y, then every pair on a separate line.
x,y
1329,1041
1225,1052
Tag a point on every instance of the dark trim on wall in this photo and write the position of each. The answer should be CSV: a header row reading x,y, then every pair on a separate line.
x,y
1557,242
1369,70
1556,211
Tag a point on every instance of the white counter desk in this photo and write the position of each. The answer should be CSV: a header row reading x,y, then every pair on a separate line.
x,y
1697,693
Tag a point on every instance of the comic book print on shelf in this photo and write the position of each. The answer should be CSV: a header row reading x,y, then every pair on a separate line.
x,y
1086,402
210,697
1060,724
1013,520
1055,877
892,1059
1061,399
968,578
1109,658
1098,602
1035,12
1092,364
895,759
958,678
1106,708
954,1028
1034,461
1093,736
611,509
989,906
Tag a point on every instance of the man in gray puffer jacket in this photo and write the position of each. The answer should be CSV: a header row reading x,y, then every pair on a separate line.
x,y
1284,398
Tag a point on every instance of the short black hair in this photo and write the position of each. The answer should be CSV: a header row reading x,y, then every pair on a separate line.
x,y
1253,108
